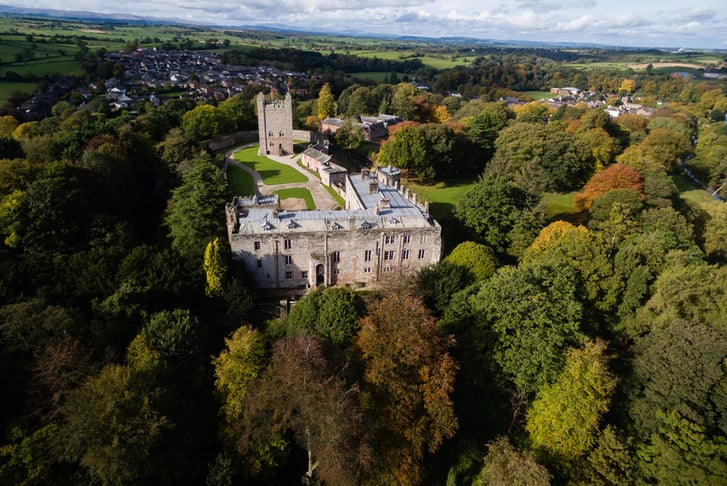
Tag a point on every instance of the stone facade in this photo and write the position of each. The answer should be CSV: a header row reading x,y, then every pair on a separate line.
x,y
275,125
381,234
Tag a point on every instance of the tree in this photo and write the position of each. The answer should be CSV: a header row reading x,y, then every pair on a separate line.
x,y
564,418
54,212
479,260
490,209
531,315
676,402
197,209
617,176
326,108
403,149
300,394
215,267
539,157
410,376
239,364
505,465
111,426
665,148
332,314
240,110
206,121
349,135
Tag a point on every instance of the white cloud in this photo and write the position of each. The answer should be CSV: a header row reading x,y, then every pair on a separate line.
x,y
698,23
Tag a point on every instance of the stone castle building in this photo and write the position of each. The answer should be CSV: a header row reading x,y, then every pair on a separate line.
x,y
275,125
383,233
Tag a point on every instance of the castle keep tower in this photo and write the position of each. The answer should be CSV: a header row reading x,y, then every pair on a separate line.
x,y
275,125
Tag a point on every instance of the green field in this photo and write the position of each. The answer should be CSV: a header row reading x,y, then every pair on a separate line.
x,y
560,206
436,62
241,183
539,95
690,191
297,193
7,88
271,172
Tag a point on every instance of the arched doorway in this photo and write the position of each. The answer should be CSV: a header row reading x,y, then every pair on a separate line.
x,y
320,275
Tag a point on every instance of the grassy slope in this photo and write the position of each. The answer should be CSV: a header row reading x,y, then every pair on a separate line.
x,y
241,183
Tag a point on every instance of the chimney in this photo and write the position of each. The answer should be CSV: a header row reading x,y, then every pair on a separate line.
x,y
373,187
364,174
385,203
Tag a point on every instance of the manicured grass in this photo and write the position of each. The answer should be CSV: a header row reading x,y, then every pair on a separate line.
x,y
297,193
241,183
271,172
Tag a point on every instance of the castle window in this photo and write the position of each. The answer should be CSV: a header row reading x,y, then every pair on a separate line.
x,y
256,245
367,256
407,239
259,263
366,225
337,271
304,274
421,254
288,275
389,255
405,254
288,259
287,244
336,257
389,239
336,226
424,239
367,269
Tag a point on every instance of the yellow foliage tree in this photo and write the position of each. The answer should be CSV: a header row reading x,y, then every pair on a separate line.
x,y
563,419
215,268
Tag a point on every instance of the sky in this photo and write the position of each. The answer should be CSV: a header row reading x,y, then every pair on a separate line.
x,y
638,23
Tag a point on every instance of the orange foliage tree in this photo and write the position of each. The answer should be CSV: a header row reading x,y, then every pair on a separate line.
x,y
617,176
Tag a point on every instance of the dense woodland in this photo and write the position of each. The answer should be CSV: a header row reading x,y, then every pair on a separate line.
x,y
582,347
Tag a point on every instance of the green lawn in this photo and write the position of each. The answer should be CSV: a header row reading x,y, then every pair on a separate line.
x,y
271,172
297,193
241,183
442,197
539,95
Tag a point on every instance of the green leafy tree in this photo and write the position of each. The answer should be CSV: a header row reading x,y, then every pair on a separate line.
x,y
112,427
349,136
206,121
403,150
490,209
539,157
240,110
564,418
532,315
410,375
197,209
332,314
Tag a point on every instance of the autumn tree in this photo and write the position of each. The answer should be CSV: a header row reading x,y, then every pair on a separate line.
x,y
410,376
564,418
617,176
300,394
505,466
326,108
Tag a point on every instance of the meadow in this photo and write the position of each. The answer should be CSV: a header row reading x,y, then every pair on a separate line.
x,y
297,193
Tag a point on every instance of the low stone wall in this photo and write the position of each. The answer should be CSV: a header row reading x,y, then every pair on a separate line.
x,y
237,138
302,135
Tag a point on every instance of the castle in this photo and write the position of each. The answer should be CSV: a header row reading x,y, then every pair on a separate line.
x,y
275,125
383,232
